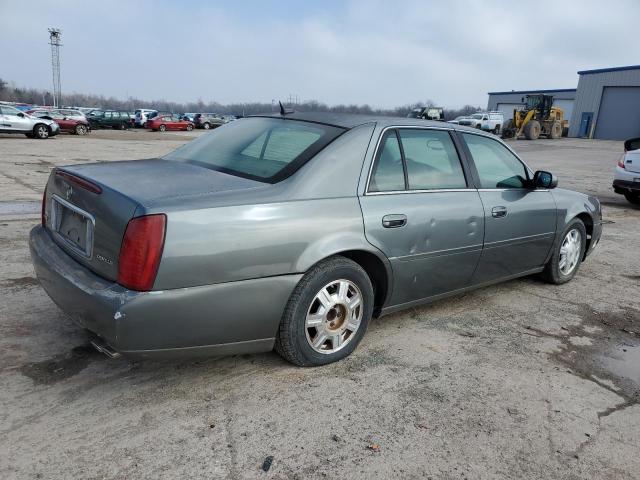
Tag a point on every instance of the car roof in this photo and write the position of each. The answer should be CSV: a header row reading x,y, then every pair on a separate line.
x,y
352,120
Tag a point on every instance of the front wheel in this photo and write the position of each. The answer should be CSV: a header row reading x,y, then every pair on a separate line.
x,y
567,254
206,125
189,127
81,130
163,128
327,314
41,131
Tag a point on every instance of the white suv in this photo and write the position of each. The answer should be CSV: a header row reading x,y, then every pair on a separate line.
x,y
13,120
492,122
627,176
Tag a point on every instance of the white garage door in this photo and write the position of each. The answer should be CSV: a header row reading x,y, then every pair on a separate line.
x,y
507,109
566,106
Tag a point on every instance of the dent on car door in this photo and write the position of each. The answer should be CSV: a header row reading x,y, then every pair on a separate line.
x,y
520,221
420,212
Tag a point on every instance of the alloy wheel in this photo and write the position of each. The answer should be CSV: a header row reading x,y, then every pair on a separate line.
x,y
334,316
570,251
42,131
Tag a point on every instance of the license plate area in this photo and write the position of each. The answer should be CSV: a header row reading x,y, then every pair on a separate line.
x,y
73,226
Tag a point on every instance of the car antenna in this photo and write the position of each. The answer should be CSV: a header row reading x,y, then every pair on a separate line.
x,y
284,111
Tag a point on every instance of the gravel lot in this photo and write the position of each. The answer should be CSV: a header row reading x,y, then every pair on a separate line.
x,y
522,380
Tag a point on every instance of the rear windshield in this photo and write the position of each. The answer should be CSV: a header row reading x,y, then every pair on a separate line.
x,y
263,149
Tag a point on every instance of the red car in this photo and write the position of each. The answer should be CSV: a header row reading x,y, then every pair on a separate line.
x,y
167,122
69,125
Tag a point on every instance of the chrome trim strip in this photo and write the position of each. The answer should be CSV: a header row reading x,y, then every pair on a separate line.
x,y
399,192
88,252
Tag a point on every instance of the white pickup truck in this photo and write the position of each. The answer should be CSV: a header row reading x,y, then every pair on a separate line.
x,y
489,121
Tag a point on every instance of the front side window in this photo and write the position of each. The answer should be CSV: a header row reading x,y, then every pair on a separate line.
x,y
260,148
431,159
7,110
497,166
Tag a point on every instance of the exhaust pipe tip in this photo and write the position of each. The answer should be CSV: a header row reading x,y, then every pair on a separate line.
x,y
103,347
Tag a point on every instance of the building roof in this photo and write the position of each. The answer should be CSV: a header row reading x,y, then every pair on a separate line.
x,y
612,69
534,91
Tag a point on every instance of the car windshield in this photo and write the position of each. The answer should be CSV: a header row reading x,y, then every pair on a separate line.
x,y
259,148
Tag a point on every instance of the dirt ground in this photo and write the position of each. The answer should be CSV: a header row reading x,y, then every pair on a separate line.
x,y
522,380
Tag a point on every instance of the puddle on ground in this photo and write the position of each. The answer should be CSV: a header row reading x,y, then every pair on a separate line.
x,y
623,361
19,208
61,366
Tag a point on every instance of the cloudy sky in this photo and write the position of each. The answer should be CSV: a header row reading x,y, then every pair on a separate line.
x,y
383,53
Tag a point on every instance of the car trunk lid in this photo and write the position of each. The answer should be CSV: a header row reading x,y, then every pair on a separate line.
x,y
632,161
89,206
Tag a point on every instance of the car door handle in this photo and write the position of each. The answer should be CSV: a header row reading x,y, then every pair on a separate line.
x,y
499,212
394,221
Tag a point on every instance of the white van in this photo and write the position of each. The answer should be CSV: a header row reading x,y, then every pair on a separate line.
x,y
141,116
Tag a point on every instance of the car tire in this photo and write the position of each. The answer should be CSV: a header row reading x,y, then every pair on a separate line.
x,y
162,128
532,130
563,267
189,127
633,197
81,130
123,126
41,131
496,130
342,326
556,130
206,125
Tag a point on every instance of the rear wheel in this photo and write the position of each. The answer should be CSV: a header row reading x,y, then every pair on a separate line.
x,y
327,314
189,127
206,125
556,130
162,128
123,126
81,129
496,130
41,131
633,197
567,254
532,130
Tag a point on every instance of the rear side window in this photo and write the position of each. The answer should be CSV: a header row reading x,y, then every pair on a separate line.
x,y
426,158
388,172
497,167
431,159
260,148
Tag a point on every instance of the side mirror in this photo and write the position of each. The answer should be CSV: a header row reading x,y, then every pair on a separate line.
x,y
21,115
542,179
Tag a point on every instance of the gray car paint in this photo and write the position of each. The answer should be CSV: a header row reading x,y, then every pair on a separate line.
x,y
236,248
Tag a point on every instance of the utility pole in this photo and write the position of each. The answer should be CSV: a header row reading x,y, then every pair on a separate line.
x,y
55,40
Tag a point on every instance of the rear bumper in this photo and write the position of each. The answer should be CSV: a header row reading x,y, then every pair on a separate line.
x,y
226,318
626,186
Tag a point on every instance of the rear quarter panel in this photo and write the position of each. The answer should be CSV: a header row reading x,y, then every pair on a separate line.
x,y
279,229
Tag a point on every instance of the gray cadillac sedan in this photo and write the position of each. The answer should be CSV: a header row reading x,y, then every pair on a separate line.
x,y
292,231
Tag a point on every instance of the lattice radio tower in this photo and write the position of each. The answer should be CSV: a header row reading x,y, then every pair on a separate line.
x,y
55,40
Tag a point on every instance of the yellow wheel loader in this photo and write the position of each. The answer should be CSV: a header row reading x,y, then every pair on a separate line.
x,y
539,117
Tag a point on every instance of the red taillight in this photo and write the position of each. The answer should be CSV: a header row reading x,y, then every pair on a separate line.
x,y
141,251
80,182
43,208
621,161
